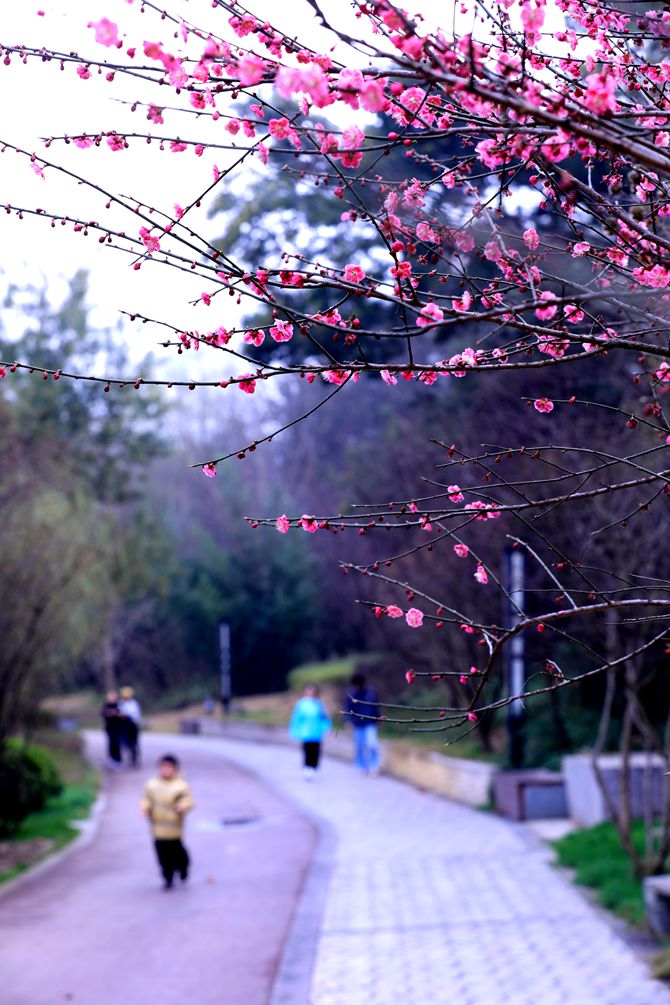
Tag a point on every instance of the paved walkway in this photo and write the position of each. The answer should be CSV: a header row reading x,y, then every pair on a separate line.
x,y
410,900
98,929
431,903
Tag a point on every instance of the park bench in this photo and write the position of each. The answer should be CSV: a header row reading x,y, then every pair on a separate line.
x,y
657,904
190,726
532,794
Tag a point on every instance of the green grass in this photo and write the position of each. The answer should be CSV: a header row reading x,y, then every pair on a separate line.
x,y
335,671
469,748
54,821
600,863
182,696
660,964
263,716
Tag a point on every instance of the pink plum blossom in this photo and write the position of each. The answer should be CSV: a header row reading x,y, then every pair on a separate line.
x,y
481,574
403,270
463,303
243,25
373,98
354,274
426,233
531,238
254,338
414,617
600,93
150,241
493,251
281,331
282,524
106,32
549,309
430,314
352,138
250,69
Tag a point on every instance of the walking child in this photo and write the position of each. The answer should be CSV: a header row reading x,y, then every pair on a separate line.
x,y
309,724
167,800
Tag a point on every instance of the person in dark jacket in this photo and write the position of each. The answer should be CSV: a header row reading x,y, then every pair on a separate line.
x,y
113,725
362,712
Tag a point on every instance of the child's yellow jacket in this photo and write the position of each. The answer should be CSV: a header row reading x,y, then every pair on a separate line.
x,y
166,801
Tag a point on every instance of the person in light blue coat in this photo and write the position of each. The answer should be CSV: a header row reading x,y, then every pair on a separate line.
x,y
309,724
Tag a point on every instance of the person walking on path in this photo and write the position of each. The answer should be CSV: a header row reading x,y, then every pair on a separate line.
x,y
309,724
131,721
111,719
362,712
167,799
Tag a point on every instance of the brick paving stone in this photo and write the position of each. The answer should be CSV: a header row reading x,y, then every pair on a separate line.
x,y
432,903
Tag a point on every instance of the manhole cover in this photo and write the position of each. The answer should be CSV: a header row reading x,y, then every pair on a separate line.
x,y
242,815
239,821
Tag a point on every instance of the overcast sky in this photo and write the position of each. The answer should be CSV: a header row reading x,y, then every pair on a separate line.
x,y
41,101
44,101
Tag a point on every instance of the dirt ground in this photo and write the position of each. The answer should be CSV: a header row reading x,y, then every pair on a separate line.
x,y
22,853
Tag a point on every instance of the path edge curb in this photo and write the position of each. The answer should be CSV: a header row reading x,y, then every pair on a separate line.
x,y
292,982
293,979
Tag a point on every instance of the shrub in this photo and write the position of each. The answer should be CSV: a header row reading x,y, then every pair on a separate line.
x,y
28,778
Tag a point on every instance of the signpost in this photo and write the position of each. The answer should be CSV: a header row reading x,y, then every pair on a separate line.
x,y
515,568
224,658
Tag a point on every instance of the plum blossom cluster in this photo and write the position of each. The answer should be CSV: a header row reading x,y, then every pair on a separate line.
x,y
502,193
583,92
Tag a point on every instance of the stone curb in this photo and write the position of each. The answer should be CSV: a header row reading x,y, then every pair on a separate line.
x,y
465,781
293,980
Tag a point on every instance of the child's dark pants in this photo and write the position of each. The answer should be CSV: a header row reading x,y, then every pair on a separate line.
x,y
172,857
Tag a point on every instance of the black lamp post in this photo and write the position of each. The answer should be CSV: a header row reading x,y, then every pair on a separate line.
x,y
515,667
224,657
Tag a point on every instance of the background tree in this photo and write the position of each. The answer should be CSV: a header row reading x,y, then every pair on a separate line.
x,y
523,246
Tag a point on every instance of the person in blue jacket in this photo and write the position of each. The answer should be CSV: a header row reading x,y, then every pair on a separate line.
x,y
309,724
